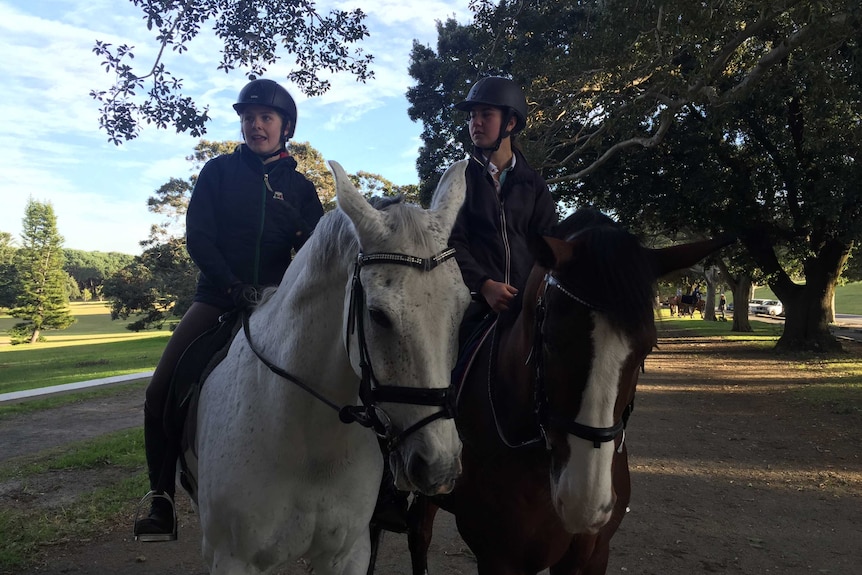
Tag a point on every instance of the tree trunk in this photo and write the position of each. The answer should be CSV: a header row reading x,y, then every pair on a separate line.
x,y
741,292
741,287
710,274
35,337
808,308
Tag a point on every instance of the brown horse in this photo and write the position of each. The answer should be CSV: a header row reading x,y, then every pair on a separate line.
x,y
688,304
542,415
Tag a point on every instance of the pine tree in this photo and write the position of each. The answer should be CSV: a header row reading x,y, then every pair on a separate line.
x,y
42,302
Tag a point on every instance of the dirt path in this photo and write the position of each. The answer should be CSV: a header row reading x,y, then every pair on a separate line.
x,y
732,472
50,428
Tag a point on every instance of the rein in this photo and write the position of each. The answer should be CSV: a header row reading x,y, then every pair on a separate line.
x,y
597,435
369,414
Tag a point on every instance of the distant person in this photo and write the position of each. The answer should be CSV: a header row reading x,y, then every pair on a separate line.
x,y
249,210
722,304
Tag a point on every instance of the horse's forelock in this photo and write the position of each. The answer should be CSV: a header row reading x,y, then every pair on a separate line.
x,y
610,270
409,224
338,244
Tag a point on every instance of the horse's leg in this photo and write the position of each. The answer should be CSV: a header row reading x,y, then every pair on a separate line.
x,y
587,555
420,527
376,538
227,564
492,564
354,562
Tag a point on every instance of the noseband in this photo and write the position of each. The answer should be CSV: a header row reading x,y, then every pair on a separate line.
x,y
547,419
369,414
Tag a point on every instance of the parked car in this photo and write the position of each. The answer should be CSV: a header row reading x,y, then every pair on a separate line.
x,y
753,305
771,307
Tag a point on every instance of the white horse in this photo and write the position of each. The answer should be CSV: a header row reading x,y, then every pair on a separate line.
x,y
279,476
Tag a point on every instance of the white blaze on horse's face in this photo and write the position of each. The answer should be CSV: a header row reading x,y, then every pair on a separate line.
x,y
583,492
411,322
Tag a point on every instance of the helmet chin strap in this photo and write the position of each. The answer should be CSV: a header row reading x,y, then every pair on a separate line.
x,y
265,157
504,133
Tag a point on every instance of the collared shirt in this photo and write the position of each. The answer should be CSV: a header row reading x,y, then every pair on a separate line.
x,y
501,179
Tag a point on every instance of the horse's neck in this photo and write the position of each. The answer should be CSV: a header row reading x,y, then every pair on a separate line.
x,y
512,379
514,349
303,319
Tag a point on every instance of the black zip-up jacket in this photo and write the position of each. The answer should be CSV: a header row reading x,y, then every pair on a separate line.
x,y
244,218
490,233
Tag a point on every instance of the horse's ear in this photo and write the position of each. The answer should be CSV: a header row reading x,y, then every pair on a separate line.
x,y
675,258
449,195
550,252
364,216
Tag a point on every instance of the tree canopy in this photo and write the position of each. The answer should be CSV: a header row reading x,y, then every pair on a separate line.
x,y
90,269
255,35
603,76
745,117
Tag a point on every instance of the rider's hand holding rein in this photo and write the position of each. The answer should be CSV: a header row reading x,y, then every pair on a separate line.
x,y
499,295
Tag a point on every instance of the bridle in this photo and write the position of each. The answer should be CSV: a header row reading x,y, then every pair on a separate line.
x,y
546,416
371,392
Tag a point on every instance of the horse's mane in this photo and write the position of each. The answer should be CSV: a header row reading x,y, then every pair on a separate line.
x,y
610,268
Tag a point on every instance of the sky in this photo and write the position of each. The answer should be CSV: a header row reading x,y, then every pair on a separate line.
x,y
54,150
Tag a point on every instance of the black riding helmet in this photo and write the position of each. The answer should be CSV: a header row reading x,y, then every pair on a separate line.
x,y
501,93
268,93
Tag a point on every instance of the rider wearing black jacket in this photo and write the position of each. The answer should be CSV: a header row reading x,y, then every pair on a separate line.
x,y
248,211
506,199
490,234
244,219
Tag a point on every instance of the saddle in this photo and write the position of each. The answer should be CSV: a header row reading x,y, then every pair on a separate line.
x,y
196,363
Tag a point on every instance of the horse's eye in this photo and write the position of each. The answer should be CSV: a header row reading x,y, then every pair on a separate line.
x,y
380,318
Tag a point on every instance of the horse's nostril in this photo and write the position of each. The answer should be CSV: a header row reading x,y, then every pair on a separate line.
x,y
417,468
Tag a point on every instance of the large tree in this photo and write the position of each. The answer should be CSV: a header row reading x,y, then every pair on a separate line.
x,y
772,86
42,302
255,35
156,286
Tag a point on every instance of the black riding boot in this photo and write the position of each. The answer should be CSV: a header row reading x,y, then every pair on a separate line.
x,y
390,513
160,523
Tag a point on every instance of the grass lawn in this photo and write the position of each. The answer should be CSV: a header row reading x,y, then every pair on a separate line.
x,y
92,348
764,332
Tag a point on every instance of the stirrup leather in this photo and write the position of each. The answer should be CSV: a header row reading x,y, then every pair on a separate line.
x,y
152,537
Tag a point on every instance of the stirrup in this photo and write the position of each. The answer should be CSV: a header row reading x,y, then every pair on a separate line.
x,y
153,537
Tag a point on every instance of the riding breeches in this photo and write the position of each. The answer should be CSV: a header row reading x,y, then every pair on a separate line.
x,y
198,319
